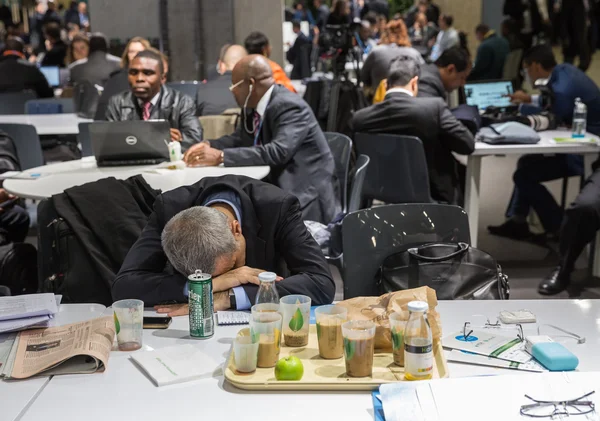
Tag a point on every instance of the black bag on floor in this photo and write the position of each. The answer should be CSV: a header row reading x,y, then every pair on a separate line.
x,y
64,266
454,271
18,263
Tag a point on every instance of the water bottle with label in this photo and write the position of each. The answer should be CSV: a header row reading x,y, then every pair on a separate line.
x,y
418,343
579,119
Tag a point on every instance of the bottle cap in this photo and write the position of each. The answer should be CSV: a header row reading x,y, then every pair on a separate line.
x,y
418,306
267,277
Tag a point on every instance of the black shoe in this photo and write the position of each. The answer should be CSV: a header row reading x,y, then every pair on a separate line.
x,y
512,229
556,282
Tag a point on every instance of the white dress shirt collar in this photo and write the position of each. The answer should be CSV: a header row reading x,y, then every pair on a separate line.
x,y
401,90
261,107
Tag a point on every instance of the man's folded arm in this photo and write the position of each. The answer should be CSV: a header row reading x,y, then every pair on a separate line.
x,y
143,274
309,270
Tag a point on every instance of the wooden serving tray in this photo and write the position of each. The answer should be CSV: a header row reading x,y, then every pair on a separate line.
x,y
321,374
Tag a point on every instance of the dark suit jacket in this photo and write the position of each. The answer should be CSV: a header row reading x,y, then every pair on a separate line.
x,y
96,69
178,109
293,145
491,55
272,226
430,120
430,83
18,75
56,56
214,97
299,57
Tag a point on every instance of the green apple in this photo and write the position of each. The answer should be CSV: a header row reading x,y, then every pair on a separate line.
x,y
289,368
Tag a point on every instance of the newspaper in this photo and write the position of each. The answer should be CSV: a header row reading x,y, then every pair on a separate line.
x,y
77,348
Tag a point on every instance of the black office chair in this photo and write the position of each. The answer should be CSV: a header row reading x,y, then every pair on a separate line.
x,y
83,137
27,143
371,235
14,102
398,169
341,148
358,181
190,88
50,106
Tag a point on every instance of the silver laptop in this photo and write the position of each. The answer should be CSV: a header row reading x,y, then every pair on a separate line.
x,y
121,143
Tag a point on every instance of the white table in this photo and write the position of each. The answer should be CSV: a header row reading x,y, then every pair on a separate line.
x,y
545,146
48,124
123,392
56,178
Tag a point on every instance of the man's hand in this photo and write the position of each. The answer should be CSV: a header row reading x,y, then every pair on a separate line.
x,y
221,301
176,135
520,97
202,155
173,310
235,278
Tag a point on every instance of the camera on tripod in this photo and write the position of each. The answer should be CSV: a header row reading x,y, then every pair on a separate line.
x,y
336,42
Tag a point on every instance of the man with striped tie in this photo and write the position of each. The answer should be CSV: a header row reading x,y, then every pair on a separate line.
x,y
150,99
279,129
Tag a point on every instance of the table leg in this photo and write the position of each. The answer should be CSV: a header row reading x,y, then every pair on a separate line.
x,y
472,195
588,160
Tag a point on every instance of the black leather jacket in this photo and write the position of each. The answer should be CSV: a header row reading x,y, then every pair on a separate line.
x,y
173,106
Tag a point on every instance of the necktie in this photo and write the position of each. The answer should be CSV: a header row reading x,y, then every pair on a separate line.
x,y
146,111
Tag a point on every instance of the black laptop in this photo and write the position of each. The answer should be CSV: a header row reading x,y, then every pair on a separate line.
x,y
121,143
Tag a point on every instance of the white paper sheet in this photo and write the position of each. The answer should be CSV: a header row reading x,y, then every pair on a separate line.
x,y
22,324
22,306
465,357
176,364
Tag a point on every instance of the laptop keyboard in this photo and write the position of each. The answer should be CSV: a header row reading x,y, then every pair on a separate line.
x,y
123,163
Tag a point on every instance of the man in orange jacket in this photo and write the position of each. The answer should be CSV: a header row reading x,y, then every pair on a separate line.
x,y
258,43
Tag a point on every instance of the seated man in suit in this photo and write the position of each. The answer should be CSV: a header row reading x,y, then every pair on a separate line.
x,y
279,130
258,43
98,66
491,54
148,99
429,119
449,72
213,96
232,227
17,74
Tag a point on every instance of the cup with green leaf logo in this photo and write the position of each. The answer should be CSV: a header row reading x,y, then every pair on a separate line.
x,y
296,318
397,325
359,347
329,330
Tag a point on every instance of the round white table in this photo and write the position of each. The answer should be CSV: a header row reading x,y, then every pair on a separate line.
x,y
48,124
56,178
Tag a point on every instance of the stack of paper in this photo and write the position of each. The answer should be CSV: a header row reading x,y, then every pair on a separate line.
x,y
27,311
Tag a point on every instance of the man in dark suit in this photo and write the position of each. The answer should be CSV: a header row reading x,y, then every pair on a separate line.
x,y
98,66
17,74
148,99
232,227
296,54
491,54
56,49
449,72
213,96
281,131
429,119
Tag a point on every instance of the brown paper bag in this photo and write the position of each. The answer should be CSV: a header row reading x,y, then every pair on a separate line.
x,y
378,310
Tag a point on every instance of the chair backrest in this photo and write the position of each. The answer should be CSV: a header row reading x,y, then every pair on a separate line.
x,y
14,102
216,126
512,65
371,235
341,148
84,139
27,143
50,106
360,172
190,88
86,98
398,169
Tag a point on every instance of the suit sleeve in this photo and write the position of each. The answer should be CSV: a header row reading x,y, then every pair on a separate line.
x,y
144,274
230,141
310,273
482,62
112,109
189,125
453,133
288,134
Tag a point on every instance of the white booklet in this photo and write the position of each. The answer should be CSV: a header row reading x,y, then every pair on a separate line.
x,y
468,358
490,345
176,364
22,306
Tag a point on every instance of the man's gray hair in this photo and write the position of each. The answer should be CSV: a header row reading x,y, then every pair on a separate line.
x,y
195,238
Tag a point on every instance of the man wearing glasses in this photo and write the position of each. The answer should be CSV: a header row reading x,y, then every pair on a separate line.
x,y
278,129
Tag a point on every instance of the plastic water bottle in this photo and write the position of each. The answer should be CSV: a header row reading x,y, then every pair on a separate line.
x,y
267,292
579,119
418,343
